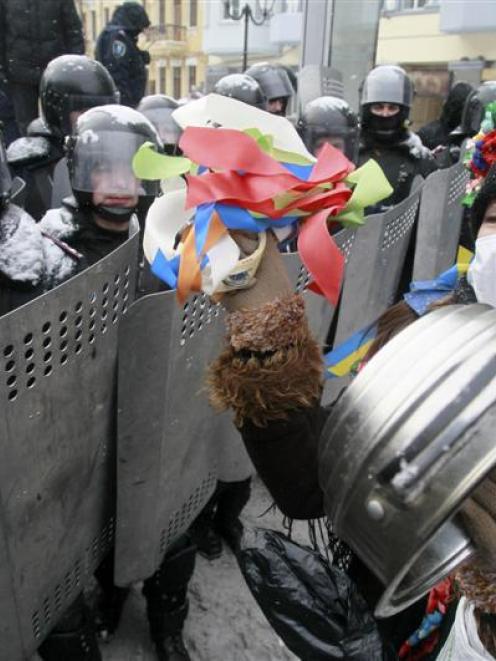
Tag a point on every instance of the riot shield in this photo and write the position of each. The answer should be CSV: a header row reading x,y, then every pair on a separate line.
x,y
315,81
319,311
172,446
57,430
405,445
374,269
167,463
439,222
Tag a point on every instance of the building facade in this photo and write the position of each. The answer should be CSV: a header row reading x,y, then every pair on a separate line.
x,y
278,38
438,42
178,62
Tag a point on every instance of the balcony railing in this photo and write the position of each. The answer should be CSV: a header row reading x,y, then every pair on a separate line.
x,y
172,32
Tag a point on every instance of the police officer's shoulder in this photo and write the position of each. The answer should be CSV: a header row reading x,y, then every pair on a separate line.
x,y
60,223
29,150
119,44
21,247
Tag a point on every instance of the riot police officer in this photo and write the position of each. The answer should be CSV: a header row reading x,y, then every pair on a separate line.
x,y
70,85
473,112
330,119
20,280
117,49
158,108
242,87
386,100
275,84
437,132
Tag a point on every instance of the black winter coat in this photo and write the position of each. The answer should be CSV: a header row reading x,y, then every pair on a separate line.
x,y
33,32
44,263
118,51
401,163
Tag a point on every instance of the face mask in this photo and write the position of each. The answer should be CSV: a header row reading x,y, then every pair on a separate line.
x,y
482,271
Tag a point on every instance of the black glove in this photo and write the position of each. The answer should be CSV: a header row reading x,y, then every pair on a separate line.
x,y
145,56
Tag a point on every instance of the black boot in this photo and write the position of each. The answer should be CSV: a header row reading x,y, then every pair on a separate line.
x,y
231,500
73,638
166,602
207,540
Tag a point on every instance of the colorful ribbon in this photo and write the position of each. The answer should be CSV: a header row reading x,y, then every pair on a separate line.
x,y
236,181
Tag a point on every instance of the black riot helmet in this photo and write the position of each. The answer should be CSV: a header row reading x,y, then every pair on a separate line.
x,y
329,119
473,111
158,108
386,84
275,84
242,87
100,155
73,83
451,114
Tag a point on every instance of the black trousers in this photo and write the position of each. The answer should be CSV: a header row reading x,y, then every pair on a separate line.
x,y
25,100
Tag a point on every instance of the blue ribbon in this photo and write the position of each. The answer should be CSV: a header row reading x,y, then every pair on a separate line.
x,y
423,293
166,269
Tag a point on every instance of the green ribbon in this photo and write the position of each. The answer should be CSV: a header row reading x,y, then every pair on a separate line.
x,y
149,164
370,186
266,144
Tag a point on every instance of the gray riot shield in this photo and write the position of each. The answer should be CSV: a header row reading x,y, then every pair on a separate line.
x,y
315,81
173,447
439,222
57,430
374,269
405,445
61,185
319,311
167,459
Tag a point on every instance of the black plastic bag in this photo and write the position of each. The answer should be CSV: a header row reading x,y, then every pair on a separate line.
x,y
313,606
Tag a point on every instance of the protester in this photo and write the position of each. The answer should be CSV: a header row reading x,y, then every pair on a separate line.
x,y
270,376
70,85
32,33
117,49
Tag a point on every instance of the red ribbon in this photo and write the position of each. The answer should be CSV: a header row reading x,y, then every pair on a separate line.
x,y
321,256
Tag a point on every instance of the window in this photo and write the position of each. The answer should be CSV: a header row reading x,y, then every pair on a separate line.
x,y
93,24
151,87
161,12
409,5
192,76
177,13
176,82
193,13
106,12
231,7
161,80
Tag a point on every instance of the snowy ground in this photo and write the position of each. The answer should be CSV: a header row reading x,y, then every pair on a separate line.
x,y
224,623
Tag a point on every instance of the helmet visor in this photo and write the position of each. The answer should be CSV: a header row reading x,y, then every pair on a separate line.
x,y
102,164
167,128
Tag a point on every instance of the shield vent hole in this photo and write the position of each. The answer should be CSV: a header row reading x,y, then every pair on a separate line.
x,y
35,621
183,517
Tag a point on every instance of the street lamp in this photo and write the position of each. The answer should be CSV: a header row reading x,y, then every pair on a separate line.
x,y
246,13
